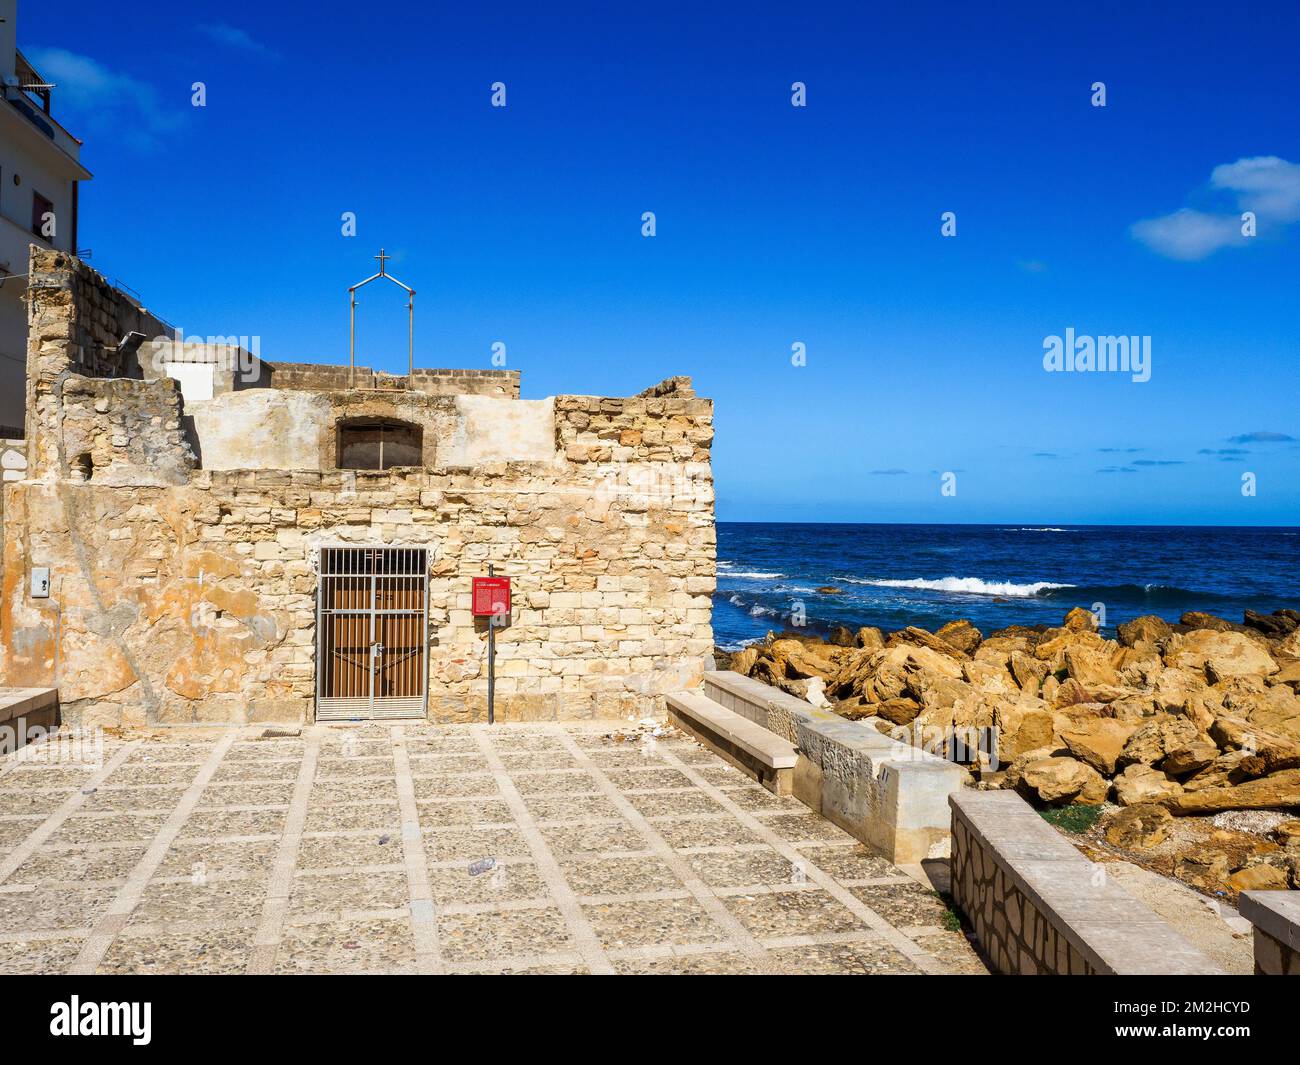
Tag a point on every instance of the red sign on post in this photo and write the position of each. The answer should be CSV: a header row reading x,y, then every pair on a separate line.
x,y
491,597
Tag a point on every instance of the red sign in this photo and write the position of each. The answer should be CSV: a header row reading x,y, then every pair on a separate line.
x,y
491,597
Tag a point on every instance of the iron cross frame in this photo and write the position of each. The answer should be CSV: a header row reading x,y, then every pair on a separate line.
x,y
383,258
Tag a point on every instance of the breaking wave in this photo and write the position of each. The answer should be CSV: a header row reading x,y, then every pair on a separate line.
x,y
964,586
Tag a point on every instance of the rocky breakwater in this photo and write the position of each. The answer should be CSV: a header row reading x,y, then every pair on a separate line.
x,y
1165,722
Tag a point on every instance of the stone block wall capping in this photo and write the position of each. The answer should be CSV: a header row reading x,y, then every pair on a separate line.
x,y
890,795
762,754
1039,906
1276,917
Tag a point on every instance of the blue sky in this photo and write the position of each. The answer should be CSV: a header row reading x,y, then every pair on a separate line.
x,y
776,225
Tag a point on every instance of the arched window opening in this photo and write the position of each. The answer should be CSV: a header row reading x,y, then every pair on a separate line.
x,y
379,444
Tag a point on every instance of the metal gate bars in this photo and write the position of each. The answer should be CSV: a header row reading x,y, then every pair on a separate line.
x,y
372,633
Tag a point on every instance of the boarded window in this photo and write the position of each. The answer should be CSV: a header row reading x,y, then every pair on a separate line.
x,y
379,445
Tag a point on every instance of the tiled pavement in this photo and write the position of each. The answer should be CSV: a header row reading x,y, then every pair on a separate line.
x,y
414,848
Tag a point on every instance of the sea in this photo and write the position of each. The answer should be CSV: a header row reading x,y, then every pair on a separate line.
x,y
994,575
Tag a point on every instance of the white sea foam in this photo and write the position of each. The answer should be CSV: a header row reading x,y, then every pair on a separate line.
x,y
757,611
1045,529
754,575
966,585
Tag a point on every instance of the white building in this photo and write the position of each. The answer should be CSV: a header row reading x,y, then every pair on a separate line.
x,y
39,172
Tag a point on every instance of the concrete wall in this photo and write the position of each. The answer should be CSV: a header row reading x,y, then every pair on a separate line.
x,y
182,591
890,795
1038,907
1276,917
503,384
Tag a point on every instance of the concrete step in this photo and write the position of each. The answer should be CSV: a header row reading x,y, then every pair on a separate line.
x,y
762,754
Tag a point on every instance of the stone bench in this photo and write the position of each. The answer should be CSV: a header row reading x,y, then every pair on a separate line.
x,y
1039,906
23,709
888,794
1276,917
762,754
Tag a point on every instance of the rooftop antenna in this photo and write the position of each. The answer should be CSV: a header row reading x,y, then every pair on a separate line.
x,y
383,258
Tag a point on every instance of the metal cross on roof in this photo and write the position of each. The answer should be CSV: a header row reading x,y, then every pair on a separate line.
x,y
383,258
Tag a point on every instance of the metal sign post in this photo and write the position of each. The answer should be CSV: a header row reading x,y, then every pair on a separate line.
x,y
490,598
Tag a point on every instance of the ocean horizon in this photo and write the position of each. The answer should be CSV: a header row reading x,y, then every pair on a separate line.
x,y
774,575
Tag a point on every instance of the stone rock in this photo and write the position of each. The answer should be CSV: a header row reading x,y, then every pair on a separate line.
x,y
815,693
920,638
1278,791
1090,666
1222,772
1138,666
1080,620
1152,741
1146,629
1207,870
1139,827
870,638
1195,619
1052,647
901,711
1028,671
1219,655
989,677
1022,726
798,660
1289,675
1260,877
742,661
1288,833
1276,624
841,636
962,635
1190,759
1141,784
1056,779
1098,741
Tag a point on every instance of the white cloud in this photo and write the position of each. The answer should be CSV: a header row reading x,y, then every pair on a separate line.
x,y
1265,184
1188,234
234,37
102,101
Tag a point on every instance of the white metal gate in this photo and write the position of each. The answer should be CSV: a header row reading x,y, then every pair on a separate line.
x,y
372,633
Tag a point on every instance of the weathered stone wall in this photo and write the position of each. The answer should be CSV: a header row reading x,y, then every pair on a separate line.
x,y
183,593
1039,907
323,378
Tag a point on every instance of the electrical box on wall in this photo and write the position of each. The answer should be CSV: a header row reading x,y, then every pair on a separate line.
x,y
41,582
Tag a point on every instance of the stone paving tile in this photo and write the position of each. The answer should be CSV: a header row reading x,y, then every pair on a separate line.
x,y
850,863
842,959
615,862
656,922
729,963
336,893
742,868
14,831
451,844
51,867
618,876
904,905
347,946
371,847
45,956
592,839
793,913
212,824
214,951
34,802
502,933
571,808
504,882
53,908
705,832
222,901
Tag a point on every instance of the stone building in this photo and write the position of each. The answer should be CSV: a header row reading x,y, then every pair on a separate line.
x,y
40,172
199,536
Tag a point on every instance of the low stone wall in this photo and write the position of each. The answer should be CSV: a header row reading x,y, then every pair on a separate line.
x,y
433,382
1276,917
1038,906
890,795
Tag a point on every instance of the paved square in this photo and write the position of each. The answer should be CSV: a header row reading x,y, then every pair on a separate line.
x,y
414,848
